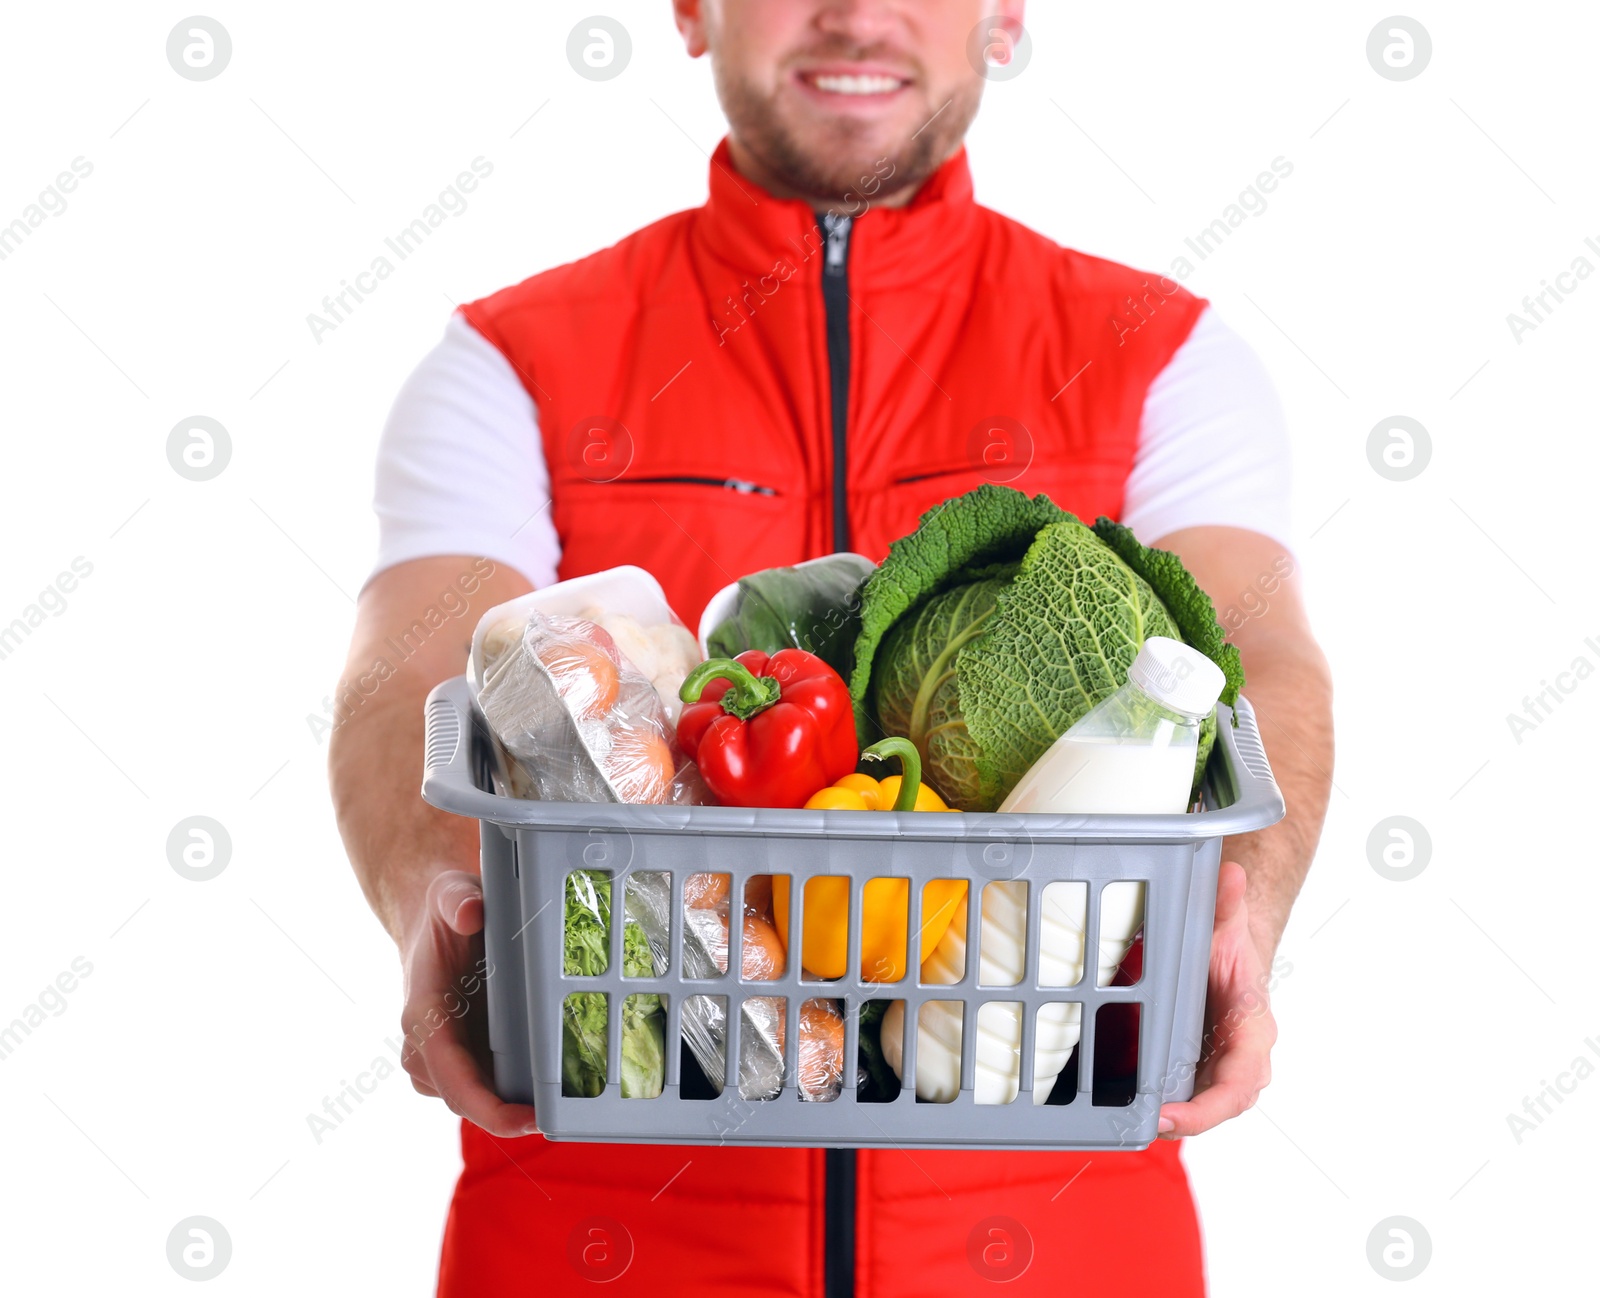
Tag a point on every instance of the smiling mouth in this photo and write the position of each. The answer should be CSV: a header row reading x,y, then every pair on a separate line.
x,y
859,85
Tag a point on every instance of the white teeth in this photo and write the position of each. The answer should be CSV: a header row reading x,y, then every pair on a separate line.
x,y
857,85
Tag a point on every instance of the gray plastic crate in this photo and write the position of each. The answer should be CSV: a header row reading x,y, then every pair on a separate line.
x,y
530,847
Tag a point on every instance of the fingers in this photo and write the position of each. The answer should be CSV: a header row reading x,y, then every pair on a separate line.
x,y
1236,1076
453,1075
1241,1027
436,1052
1210,1108
442,1066
456,897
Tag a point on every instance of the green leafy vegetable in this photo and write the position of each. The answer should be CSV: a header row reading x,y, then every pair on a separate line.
x,y
915,693
987,526
1191,608
644,1051
586,952
811,607
1065,634
583,1018
996,625
881,1083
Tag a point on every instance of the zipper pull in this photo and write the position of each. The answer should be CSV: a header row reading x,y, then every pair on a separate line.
x,y
838,228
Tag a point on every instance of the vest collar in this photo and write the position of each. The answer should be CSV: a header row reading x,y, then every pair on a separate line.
x,y
752,231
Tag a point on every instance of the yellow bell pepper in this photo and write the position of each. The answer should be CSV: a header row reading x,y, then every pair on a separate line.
x,y
884,902
863,793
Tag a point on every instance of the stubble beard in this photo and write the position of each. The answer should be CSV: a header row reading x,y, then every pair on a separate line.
x,y
833,167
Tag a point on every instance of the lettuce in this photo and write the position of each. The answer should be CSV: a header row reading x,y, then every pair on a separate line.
x,y
644,1049
1002,620
584,1015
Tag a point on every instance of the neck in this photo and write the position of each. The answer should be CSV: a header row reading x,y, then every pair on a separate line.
x,y
753,169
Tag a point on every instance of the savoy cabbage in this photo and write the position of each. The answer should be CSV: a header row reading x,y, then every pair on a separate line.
x,y
1002,620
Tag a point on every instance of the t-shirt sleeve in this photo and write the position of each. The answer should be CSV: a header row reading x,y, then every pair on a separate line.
x,y
461,467
1213,443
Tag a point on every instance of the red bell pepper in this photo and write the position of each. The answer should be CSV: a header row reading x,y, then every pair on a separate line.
x,y
767,731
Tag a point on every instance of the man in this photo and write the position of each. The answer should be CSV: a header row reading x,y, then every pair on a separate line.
x,y
839,340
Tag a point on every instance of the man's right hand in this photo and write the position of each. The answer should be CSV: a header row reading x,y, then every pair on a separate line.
x,y
442,958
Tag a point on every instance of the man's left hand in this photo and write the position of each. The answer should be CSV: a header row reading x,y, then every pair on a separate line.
x,y
1235,1056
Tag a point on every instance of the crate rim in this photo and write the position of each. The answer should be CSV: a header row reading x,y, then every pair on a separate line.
x,y
1238,767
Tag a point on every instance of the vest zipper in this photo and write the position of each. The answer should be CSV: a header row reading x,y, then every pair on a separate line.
x,y
839,1223
839,1165
730,484
836,309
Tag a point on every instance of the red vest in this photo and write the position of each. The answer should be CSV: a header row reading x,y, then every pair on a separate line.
x,y
687,385
694,354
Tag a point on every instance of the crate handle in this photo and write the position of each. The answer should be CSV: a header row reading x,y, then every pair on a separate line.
x,y
1256,799
447,780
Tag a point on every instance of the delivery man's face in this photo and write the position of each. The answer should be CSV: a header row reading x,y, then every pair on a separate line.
x,y
823,93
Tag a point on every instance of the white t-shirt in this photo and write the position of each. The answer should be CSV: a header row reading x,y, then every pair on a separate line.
x,y
1213,451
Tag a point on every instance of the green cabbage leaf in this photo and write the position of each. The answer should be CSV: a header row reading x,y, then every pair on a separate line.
x,y
1000,622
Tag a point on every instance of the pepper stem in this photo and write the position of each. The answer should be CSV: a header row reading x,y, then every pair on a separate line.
x,y
747,693
910,768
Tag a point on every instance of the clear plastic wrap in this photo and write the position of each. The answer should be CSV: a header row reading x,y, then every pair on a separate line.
x,y
821,1049
664,652
576,720
584,1015
761,1032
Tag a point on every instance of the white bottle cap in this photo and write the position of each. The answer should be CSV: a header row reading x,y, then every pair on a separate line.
x,y
1181,677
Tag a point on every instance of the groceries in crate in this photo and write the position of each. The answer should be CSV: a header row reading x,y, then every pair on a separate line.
x,y
983,637
1135,751
664,652
762,1031
809,606
884,923
767,730
1011,657
587,950
574,718
856,792
1003,619
1001,961
884,902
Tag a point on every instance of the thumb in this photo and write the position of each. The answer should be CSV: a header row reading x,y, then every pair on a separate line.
x,y
1230,891
456,897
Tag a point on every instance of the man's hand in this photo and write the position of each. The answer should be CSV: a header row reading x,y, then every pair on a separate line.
x,y
441,955
1253,580
414,627
1235,1055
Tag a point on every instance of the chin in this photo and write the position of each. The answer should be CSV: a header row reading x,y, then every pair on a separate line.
x,y
833,147
847,145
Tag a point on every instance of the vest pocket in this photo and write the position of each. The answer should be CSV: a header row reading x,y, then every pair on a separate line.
x,y
727,484
694,536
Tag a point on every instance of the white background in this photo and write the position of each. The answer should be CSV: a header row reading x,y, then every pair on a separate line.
x,y
180,676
